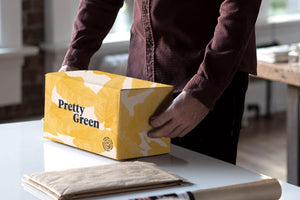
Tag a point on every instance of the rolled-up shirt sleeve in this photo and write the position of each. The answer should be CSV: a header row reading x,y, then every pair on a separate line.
x,y
92,23
223,54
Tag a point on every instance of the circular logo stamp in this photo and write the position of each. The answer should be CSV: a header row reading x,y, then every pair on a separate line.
x,y
107,144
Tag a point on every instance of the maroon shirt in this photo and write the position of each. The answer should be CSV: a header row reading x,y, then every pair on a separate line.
x,y
194,45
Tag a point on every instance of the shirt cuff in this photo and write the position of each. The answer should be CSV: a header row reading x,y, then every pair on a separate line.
x,y
77,58
202,89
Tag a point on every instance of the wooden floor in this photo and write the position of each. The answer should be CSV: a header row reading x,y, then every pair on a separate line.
x,y
262,146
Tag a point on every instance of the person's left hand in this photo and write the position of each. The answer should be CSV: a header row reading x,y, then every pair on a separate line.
x,y
183,115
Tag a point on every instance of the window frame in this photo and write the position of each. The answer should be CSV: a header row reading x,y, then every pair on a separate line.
x,y
12,52
10,23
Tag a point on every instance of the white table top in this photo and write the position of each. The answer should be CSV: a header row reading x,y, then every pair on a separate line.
x,y
24,151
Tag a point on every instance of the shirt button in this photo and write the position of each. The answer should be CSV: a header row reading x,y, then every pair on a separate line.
x,y
145,11
149,44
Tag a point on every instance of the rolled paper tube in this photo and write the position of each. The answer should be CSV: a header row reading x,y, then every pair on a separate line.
x,y
267,189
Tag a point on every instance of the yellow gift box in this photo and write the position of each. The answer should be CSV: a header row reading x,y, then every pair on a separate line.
x,y
104,113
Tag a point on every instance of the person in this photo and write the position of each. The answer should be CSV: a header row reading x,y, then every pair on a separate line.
x,y
205,49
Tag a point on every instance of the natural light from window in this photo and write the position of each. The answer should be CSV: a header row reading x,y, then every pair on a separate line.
x,y
282,11
0,24
124,18
284,7
121,28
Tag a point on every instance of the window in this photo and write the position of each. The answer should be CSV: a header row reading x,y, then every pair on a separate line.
x,y
282,7
0,24
10,23
121,28
12,52
124,19
278,22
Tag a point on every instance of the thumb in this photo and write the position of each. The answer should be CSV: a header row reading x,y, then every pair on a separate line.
x,y
161,119
67,68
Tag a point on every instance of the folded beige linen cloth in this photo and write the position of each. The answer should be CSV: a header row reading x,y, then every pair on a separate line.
x,y
101,180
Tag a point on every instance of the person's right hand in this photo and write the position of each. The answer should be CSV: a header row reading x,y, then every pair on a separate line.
x,y
67,68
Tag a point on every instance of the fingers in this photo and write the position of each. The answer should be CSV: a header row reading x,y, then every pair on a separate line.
x,y
185,131
63,68
172,129
67,68
165,130
163,124
180,131
161,119
169,124
183,115
169,131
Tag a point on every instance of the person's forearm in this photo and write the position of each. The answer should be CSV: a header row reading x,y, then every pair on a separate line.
x,y
92,23
223,55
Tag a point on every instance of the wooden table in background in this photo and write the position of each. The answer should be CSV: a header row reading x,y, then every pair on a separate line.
x,y
285,73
